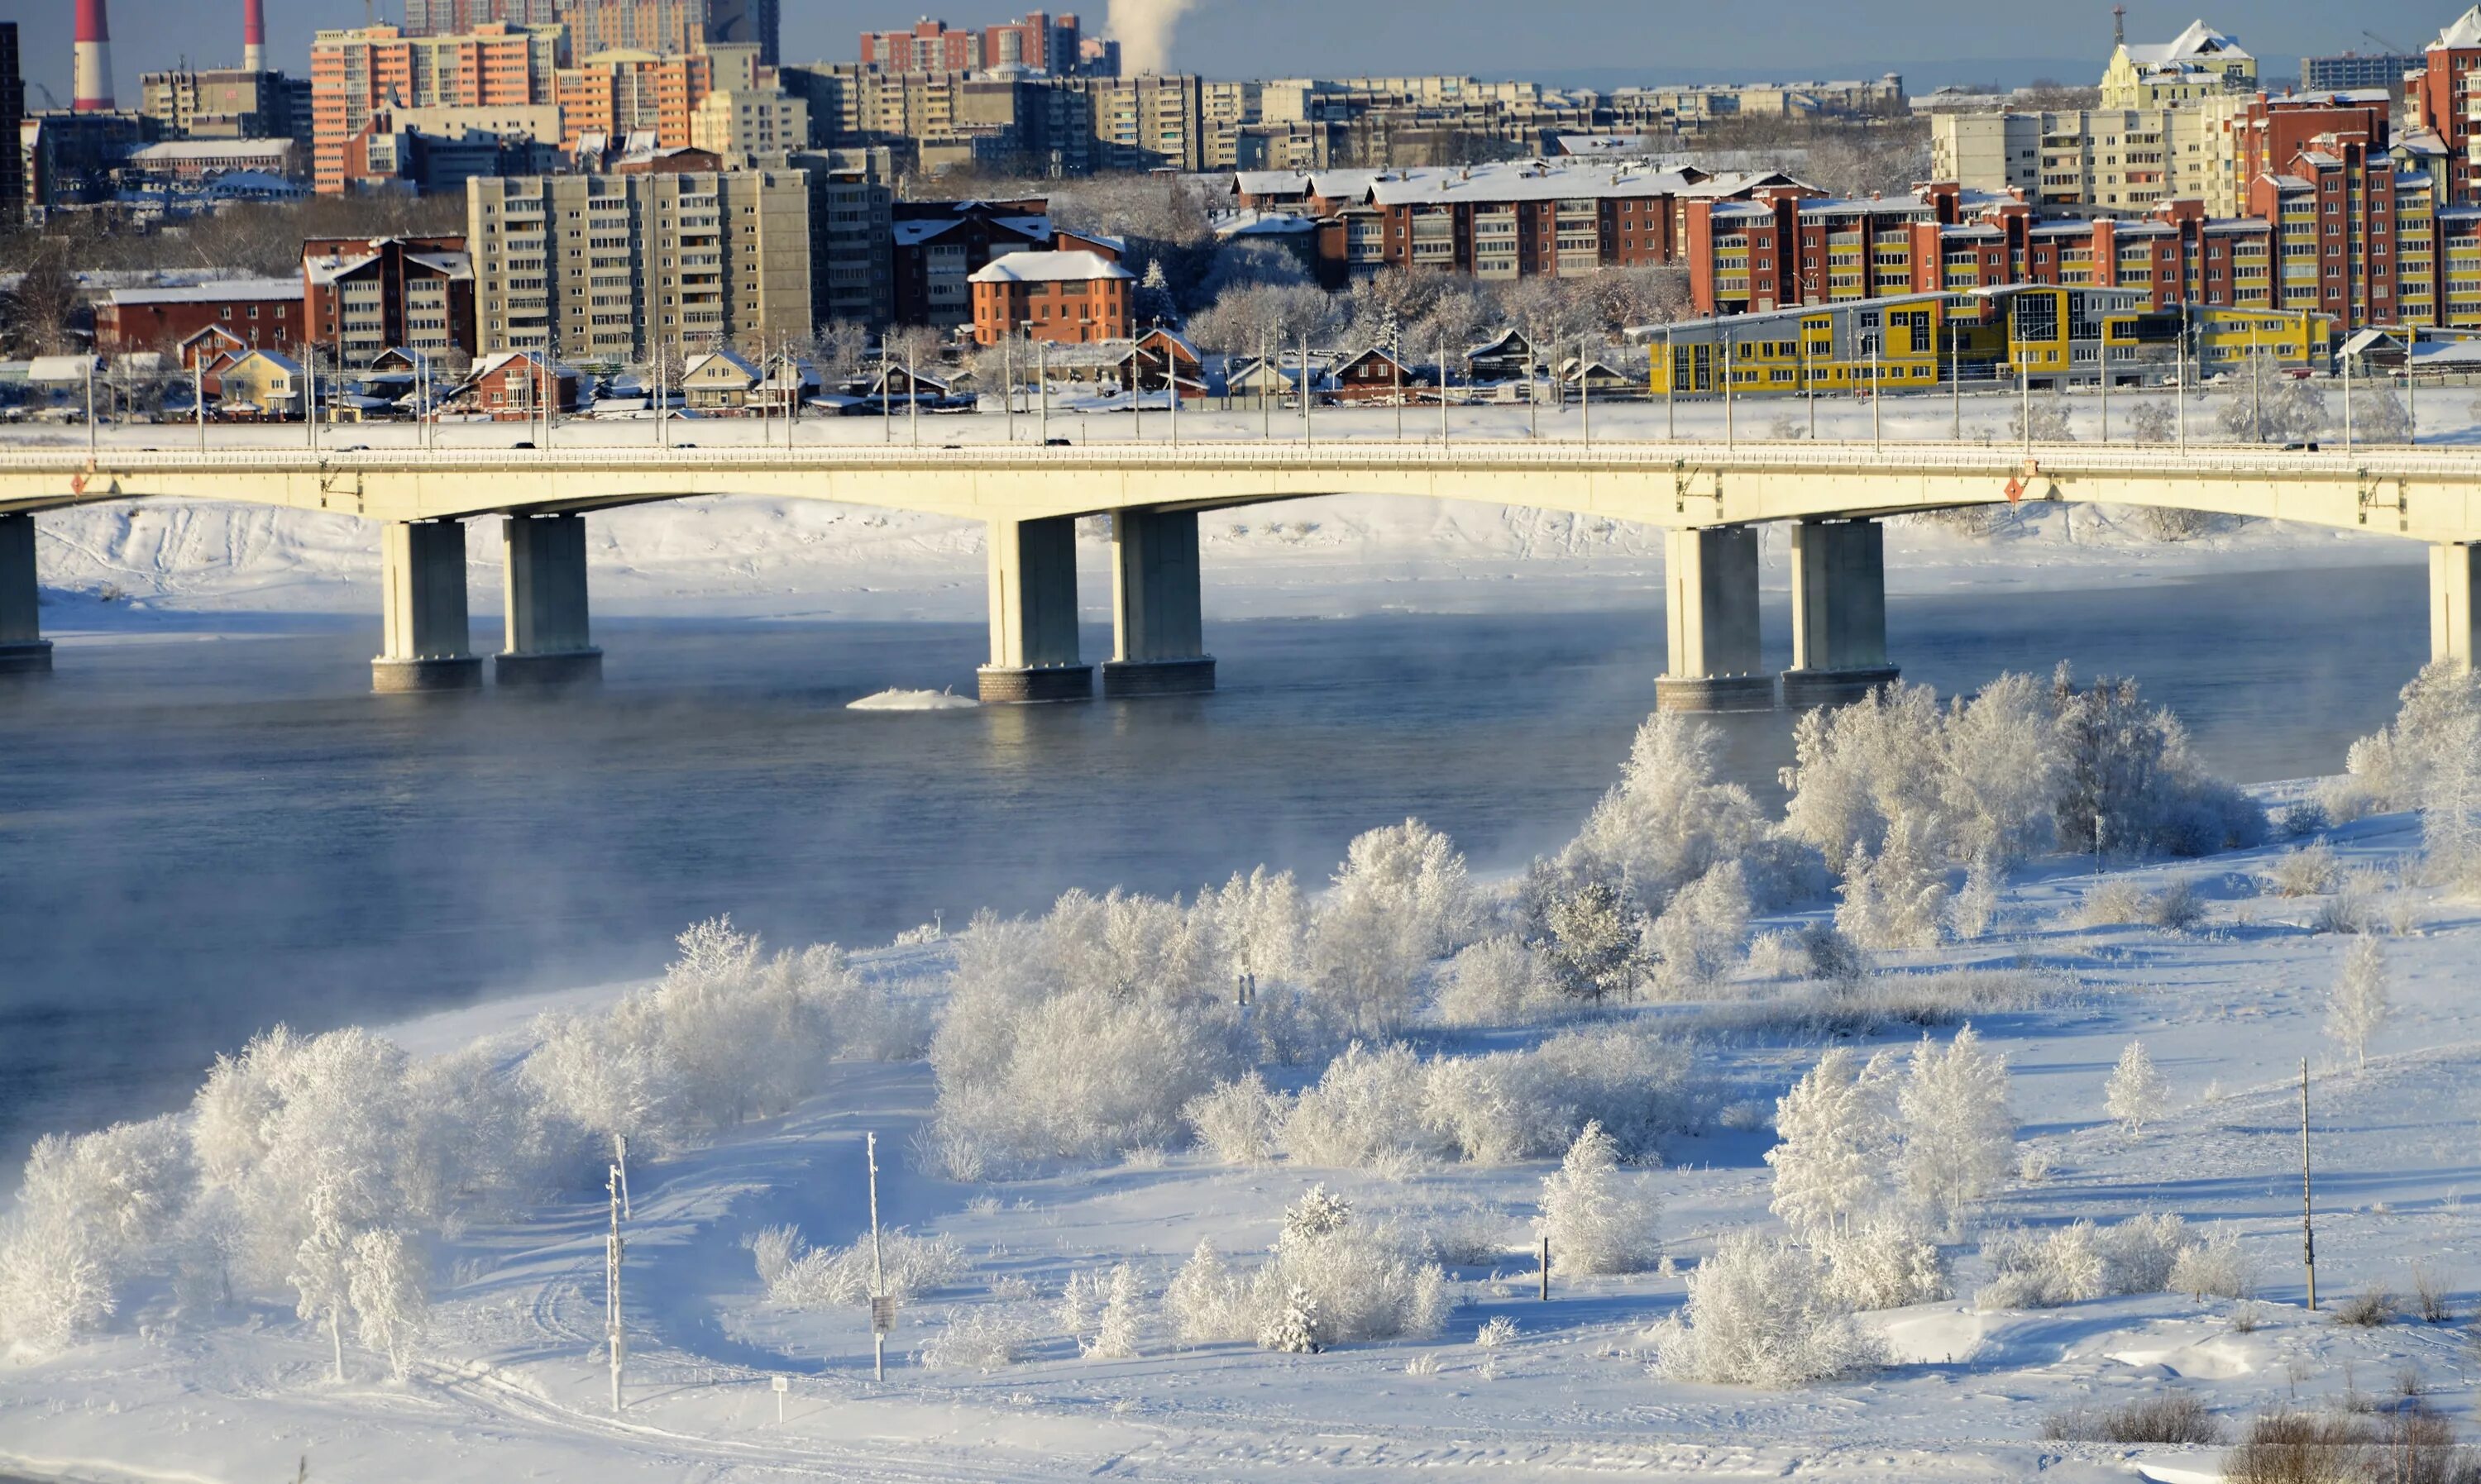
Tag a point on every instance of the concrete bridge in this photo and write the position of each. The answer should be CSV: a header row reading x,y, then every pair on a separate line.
x,y
1710,497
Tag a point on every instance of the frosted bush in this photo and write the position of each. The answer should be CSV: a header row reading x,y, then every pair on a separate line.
x,y
1761,1311
1498,981
1365,1111
1883,1264
387,1284
2176,907
1498,1333
1775,955
2310,870
1121,1327
1260,924
1239,1122
2129,783
985,1338
1979,773
825,1278
1332,1279
775,1249
1080,1036
2081,1262
2216,1268
1699,936
87,1210
1599,1218
1498,1108
1975,907
2401,766
1671,819
1526,1105
1459,1234
2136,1092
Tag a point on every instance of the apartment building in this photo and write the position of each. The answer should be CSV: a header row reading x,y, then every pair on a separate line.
x,y
355,74
2199,64
939,246
2354,72
228,103
659,254
591,26
254,313
740,124
1145,123
2439,101
1040,41
852,243
2129,158
622,92
13,113
361,297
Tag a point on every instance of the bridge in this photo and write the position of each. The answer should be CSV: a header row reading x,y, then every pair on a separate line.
x,y
1710,497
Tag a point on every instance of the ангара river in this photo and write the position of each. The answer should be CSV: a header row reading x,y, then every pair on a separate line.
x,y
199,839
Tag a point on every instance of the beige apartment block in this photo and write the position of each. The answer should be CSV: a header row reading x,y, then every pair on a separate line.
x,y
2130,158
739,124
606,268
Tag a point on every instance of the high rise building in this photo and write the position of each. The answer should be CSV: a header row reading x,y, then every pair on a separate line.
x,y
13,113
448,17
622,92
611,268
363,295
228,103
2439,100
355,74
2351,72
755,23
1040,41
852,260
2198,63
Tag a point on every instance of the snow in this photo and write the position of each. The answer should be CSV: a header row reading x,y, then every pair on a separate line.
x,y
914,700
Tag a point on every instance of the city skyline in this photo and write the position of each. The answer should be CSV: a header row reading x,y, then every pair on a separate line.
x,y
1924,38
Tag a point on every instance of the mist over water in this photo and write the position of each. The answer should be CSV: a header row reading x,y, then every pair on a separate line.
x,y
199,837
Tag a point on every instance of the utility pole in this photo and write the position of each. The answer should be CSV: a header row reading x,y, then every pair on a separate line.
x,y
1399,362
1955,376
1545,1270
1171,384
1265,409
1305,391
2347,400
878,1316
912,396
1586,393
1877,387
1731,430
1670,389
1533,393
2179,402
2308,1227
199,398
616,1337
1443,431
1042,375
2105,382
1807,384
620,1158
1007,375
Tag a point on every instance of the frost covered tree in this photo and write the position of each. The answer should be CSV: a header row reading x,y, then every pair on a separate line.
x,y
322,1275
385,1283
1402,899
1597,947
2153,422
1599,1218
2136,1093
2435,737
2357,1004
1763,1312
1837,1133
1672,819
1959,1128
87,1210
1123,1318
2047,415
1897,899
1259,923
2378,414
1494,982
1700,935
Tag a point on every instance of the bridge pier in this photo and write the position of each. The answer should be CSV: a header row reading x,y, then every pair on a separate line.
x,y
1838,614
1711,582
549,642
2454,629
23,649
422,574
1158,626
1033,615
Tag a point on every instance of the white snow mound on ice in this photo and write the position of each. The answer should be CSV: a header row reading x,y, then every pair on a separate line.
x,y
914,700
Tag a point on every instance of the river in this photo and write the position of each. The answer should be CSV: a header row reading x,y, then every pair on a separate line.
x,y
203,833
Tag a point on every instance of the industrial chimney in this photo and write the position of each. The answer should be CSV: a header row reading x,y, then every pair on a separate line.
x,y
92,74
254,35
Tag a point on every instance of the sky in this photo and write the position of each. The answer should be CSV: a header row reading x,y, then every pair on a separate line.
x,y
1595,41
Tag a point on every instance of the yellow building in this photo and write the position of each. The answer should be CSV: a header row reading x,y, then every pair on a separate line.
x,y
2201,63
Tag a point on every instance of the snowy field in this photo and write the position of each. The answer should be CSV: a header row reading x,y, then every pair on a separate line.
x,y
1405,1053
756,558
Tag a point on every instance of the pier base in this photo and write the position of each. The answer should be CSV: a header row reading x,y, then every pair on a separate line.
x,y
1158,625
2454,629
1033,615
550,640
426,643
23,649
1838,614
1711,612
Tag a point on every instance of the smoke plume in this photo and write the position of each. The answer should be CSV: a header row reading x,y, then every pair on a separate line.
x,y
1144,29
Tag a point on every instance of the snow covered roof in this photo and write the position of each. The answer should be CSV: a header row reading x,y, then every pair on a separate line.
x,y
2198,40
1264,223
1534,181
2464,31
210,292
60,368
1079,267
912,233
176,151
730,358
275,358
492,363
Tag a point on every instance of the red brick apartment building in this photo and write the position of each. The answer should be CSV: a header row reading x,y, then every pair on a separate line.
x,y
255,314
1066,297
367,294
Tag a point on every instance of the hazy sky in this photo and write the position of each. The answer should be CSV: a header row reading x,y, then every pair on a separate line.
x,y
1652,41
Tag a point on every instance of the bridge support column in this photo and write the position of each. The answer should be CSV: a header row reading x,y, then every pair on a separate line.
x,y
1838,614
1033,615
23,649
1711,576
422,574
548,640
2454,577
1158,629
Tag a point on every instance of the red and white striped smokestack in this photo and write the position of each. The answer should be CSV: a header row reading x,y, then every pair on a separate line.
x,y
254,35
92,74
